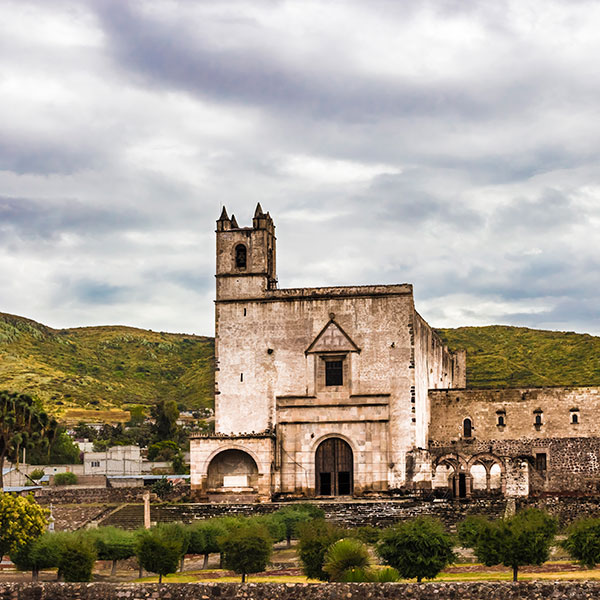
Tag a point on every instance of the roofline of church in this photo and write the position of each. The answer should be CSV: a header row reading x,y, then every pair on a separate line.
x,y
327,293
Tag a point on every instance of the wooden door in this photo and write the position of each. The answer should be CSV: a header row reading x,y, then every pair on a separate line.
x,y
334,468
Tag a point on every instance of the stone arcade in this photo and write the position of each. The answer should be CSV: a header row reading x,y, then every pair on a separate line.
x,y
347,391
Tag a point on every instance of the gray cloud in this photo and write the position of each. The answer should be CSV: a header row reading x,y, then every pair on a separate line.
x,y
453,145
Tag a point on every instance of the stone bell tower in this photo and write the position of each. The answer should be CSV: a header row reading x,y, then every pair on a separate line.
x,y
245,257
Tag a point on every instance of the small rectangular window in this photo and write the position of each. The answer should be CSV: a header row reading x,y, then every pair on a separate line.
x,y
540,462
334,372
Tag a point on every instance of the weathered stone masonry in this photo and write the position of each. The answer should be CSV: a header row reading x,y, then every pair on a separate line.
x,y
319,391
530,590
543,440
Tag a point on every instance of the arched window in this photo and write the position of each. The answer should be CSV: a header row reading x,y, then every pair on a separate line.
x,y
501,420
538,418
467,428
574,418
240,256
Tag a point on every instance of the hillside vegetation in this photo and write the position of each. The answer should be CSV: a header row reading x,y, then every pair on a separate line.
x,y
90,373
500,356
102,368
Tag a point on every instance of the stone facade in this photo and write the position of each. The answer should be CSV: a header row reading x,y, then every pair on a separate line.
x,y
341,391
324,389
538,440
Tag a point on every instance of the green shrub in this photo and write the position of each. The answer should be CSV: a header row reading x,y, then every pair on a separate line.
x,y
312,510
41,553
113,544
36,474
273,524
77,555
247,549
366,534
204,538
419,548
523,539
67,478
469,530
161,487
384,575
157,552
345,554
291,517
583,542
315,537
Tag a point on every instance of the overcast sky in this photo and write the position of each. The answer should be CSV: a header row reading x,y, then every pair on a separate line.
x,y
452,144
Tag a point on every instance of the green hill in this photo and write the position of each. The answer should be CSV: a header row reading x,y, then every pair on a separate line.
x,y
102,368
500,356
85,372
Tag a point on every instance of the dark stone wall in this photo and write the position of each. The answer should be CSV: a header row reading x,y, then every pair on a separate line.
x,y
348,514
530,590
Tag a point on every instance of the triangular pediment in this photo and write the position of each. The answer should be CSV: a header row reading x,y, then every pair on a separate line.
x,y
332,339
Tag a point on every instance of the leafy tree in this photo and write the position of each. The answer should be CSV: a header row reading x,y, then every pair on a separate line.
x,y
36,474
22,424
40,553
161,487
291,518
68,478
311,509
583,542
315,537
59,450
523,539
417,548
83,431
157,552
247,549
273,524
164,450
367,534
468,530
179,532
77,555
165,414
113,544
345,554
204,538
22,520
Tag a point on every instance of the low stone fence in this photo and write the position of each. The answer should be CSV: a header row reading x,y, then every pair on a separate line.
x,y
119,495
526,590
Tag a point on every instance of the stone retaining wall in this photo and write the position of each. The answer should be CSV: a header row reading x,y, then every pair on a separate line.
x,y
530,590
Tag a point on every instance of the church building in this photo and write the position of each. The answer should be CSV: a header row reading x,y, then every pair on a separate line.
x,y
319,391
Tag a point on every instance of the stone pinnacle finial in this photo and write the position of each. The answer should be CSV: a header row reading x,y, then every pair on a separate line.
x,y
234,222
258,212
224,216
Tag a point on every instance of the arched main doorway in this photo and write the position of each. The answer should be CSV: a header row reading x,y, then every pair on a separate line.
x,y
334,468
